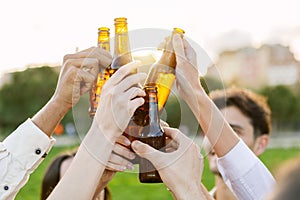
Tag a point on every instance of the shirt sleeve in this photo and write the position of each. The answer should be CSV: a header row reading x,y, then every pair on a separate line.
x,y
245,174
20,154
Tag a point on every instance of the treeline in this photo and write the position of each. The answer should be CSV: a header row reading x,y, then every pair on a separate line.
x,y
28,91
24,95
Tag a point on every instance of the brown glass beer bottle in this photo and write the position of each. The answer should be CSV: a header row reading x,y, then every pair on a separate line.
x,y
122,56
103,75
151,134
162,73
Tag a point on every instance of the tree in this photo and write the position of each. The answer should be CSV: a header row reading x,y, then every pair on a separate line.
x,y
26,93
283,104
210,83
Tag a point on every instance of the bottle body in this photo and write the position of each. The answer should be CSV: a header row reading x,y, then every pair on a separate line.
x,y
103,75
122,56
147,172
151,134
162,73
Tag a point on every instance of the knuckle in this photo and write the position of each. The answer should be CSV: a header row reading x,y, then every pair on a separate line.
x,y
67,57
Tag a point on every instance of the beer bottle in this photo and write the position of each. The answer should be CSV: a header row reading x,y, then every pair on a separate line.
x,y
122,51
103,75
162,73
122,56
152,135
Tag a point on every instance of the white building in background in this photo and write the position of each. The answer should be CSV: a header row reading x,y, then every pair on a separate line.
x,y
251,67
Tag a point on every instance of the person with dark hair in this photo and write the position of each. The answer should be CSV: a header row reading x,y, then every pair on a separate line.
x,y
250,117
244,173
56,170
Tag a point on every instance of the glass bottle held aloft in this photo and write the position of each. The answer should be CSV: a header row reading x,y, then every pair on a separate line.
x,y
151,134
162,73
103,75
122,52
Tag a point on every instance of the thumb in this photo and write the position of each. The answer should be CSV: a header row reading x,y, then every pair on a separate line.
x,y
145,151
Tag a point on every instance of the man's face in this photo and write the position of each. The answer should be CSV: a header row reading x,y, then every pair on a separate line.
x,y
241,125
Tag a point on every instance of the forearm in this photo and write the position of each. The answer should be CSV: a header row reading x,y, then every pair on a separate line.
x,y
212,122
49,116
86,168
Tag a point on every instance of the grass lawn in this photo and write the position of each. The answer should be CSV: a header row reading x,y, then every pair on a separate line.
x,y
126,185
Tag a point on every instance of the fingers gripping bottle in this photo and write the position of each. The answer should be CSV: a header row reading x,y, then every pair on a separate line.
x,y
151,134
162,73
122,56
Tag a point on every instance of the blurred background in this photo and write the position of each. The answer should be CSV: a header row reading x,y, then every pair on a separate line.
x,y
253,44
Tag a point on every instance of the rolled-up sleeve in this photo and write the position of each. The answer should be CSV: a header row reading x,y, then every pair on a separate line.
x,y
247,175
20,154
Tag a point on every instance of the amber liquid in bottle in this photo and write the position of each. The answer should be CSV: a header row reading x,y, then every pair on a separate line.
x,y
151,134
103,75
162,73
122,56
122,51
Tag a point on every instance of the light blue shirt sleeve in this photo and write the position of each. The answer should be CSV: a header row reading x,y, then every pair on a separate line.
x,y
245,174
20,154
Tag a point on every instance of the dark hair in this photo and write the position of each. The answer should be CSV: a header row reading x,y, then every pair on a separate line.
x,y
250,104
52,176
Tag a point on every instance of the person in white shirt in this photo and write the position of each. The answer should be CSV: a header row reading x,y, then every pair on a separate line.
x,y
247,175
250,117
25,148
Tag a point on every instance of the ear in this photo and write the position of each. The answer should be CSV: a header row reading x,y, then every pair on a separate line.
x,y
261,144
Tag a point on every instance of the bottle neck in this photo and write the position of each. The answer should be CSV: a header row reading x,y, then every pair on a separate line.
x,y
122,51
104,45
103,38
152,122
168,57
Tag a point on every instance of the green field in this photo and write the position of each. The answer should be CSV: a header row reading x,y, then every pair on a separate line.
x,y
126,185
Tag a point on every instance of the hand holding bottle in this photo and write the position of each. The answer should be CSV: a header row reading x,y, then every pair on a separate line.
x,y
187,74
120,98
180,170
78,72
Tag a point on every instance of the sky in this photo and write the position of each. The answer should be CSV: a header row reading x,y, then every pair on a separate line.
x,y
35,32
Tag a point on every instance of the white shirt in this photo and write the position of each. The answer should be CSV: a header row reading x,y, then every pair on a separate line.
x,y
20,154
245,174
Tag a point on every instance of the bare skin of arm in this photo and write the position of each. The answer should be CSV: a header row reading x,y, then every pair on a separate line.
x,y
73,82
117,105
211,120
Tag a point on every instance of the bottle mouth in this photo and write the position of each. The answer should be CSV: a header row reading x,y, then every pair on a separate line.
x,y
120,20
103,29
178,30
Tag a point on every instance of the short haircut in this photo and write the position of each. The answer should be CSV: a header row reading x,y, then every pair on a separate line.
x,y
249,103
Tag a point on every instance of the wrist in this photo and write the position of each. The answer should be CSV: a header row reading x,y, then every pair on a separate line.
x,y
95,143
197,99
105,130
49,116
60,106
192,192
108,130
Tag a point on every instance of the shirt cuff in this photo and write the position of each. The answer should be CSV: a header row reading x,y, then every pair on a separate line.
x,y
28,144
237,162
